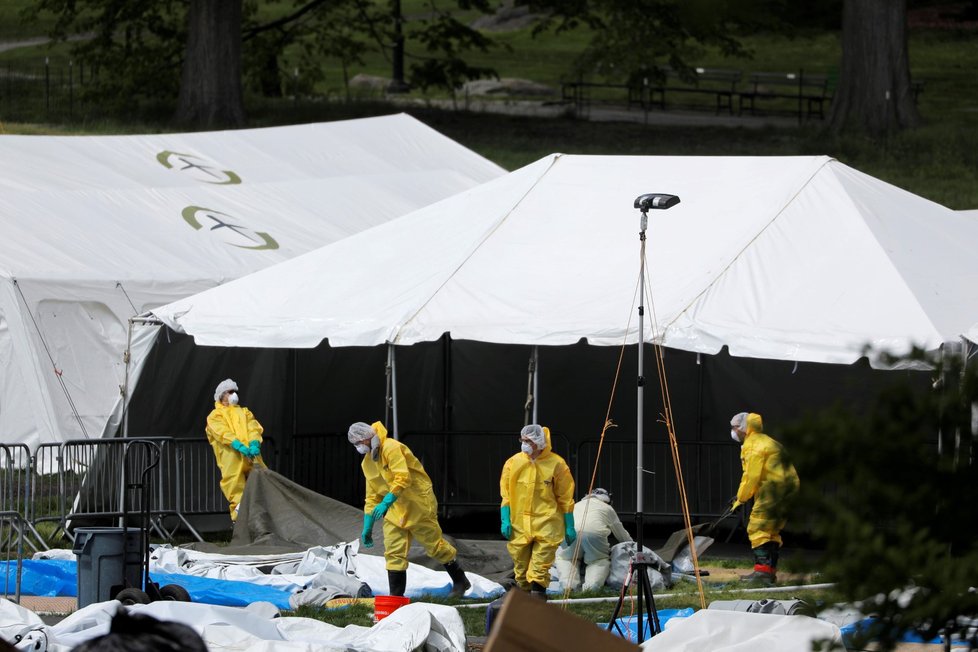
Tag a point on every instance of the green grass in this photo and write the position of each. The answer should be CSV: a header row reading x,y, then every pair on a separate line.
x,y
474,618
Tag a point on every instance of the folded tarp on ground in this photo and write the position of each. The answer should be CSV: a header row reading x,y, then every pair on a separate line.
x,y
237,580
435,628
730,631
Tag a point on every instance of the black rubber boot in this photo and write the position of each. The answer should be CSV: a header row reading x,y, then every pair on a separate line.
x,y
460,583
764,569
397,581
538,591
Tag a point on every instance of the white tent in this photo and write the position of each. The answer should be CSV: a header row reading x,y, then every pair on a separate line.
x,y
790,258
99,229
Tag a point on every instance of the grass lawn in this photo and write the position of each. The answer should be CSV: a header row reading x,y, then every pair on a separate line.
x,y
681,596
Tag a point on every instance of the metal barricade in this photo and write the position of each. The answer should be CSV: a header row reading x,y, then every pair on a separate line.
x,y
327,464
15,492
710,473
81,481
464,467
11,566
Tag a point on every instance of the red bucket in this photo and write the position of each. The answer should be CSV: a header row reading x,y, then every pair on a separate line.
x,y
385,605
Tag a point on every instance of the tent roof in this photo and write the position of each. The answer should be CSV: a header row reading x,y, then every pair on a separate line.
x,y
795,258
99,228
214,205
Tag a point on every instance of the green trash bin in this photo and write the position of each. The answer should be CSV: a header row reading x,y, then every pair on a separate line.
x,y
109,559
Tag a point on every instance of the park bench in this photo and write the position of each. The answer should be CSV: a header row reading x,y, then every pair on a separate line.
x,y
651,91
810,91
719,82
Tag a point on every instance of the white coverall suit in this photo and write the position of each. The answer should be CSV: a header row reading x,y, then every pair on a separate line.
x,y
595,551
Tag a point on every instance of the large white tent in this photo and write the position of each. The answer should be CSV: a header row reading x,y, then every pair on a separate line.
x,y
99,229
789,258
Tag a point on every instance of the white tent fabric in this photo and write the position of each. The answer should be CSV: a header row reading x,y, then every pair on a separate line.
x,y
792,258
99,229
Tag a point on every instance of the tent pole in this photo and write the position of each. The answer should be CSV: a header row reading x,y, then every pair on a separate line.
x,y
536,382
392,364
125,383
127,358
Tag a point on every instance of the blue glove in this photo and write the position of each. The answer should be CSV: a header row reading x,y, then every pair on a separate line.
x,y
241,448
507,526
384,505
367,536
255,448
570,534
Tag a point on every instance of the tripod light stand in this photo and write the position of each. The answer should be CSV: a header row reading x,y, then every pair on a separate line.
x,y
642,561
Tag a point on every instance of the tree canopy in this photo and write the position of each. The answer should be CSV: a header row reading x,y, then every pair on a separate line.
x,y
891,492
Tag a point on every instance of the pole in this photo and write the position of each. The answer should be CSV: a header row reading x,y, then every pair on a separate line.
x,y
640,416
536,383
393,366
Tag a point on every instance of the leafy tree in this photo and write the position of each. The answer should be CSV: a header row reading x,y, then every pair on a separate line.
x,y
633,38
892,492
197,50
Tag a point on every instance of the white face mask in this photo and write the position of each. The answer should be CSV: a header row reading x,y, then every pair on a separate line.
x,y
363,449
735,436
233,398
527,448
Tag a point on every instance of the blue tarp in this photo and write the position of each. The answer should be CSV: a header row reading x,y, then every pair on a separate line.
x,y
908,637
57,577
630,623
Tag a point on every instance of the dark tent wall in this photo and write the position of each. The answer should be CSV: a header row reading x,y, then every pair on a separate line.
x,y
461,405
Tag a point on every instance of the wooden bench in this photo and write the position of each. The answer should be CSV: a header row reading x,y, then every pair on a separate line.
x,y
811,91
719,82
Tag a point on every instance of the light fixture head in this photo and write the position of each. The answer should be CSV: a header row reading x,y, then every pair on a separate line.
x,y
655,200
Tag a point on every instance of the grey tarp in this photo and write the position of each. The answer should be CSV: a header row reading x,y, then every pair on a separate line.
x,y
277,515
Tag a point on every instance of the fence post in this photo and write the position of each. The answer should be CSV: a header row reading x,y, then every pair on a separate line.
x,y
47,84
801,91
71,87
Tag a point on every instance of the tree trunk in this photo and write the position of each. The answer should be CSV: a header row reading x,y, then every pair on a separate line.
x,y
210,86
874,85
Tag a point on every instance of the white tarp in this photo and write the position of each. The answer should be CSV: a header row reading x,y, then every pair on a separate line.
x,y
792,258
733,631
99,229
420,626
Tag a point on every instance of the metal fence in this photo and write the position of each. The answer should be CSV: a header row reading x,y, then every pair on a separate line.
x,y
42,87
82,482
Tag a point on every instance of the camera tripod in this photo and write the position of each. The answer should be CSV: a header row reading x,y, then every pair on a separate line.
x,y
639,569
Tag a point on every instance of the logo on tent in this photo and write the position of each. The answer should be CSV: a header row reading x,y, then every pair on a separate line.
x,y
228,228
197,167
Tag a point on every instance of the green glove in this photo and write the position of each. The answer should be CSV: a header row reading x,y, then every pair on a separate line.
x,y
570,534
507,526
241,448
367,536
384,505
255,448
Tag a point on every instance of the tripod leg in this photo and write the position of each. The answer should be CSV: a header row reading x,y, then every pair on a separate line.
x,y
653,614
613,623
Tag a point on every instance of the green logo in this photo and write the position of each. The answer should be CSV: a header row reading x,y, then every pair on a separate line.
x,y
227,229
197,167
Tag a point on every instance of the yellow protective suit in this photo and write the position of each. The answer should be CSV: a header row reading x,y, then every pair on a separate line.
x,y
414,513
226,423
770,479
539,492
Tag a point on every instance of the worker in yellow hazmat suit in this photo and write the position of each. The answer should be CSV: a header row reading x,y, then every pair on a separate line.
x,y
771,480
399,493
235,436
537,508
